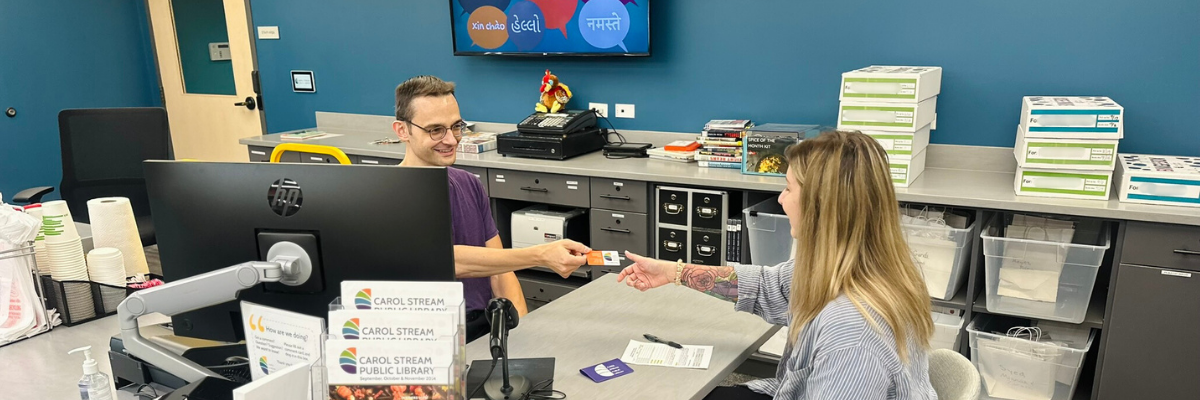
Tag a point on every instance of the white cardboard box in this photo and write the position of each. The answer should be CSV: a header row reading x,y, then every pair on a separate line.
x,y
1075,154
901,145
884,116
1090,185
892,84
1164,180
1072,117
906,171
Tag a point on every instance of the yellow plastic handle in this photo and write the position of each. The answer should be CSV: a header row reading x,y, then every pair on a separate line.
x,y
335,152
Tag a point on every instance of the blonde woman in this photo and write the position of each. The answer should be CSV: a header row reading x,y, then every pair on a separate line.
x,y
857,306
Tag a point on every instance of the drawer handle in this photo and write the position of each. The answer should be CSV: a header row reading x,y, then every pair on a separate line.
x,y
611,197
1187,252
672,246
616,230
705,250
535,189
672,208
706,212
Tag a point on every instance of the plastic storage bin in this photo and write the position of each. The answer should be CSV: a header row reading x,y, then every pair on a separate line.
x,y
1040,278
770,233
1019,368
946,328
941,252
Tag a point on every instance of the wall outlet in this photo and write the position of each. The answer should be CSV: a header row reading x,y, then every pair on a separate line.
x,y
624,110
601,107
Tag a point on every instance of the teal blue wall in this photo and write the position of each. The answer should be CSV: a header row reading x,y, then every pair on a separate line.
x,y
769,60
198,23
59,54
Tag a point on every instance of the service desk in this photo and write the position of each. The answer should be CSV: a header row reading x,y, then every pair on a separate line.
x,y
594,324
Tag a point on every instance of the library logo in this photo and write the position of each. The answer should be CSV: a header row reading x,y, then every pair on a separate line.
x,y
350,330
349,360
362,300
262,363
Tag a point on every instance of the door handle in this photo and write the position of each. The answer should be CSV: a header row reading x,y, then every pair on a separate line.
x,y
616,230
611,197
249,103
1187,252
535,189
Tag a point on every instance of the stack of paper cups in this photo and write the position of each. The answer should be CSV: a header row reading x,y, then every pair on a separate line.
x,y
113,225
64,252
106,265
39,244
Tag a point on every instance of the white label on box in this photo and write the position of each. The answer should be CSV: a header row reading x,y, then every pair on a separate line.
x,y
908,86
1107,124
908,91
1108,117
1093,188
899,176
277,339
896,170
1100,182
1175,273
904,120
1061,153
902,147
1102,151
1164,190
1100,157
1052,182
904,113
1069,120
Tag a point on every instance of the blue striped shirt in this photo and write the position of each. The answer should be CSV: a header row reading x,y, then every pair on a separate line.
x,y
838,354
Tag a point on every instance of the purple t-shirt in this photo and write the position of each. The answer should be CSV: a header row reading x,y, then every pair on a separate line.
x,y
472,224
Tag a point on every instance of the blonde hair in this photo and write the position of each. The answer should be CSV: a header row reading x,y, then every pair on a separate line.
x,y
849,239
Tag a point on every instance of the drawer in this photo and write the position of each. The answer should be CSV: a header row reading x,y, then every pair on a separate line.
x,y
542,290
621,231
672,206
672,244
1161,245
313,158
261,154
708,247
480,173
619,195
371,160
538,187
708,210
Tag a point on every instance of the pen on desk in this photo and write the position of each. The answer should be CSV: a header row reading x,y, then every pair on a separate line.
x,y
655,339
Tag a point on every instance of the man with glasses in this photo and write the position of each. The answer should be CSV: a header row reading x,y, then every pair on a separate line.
x,y
429,123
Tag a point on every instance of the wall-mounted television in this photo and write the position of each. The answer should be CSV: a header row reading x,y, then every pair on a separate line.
x,y
551,27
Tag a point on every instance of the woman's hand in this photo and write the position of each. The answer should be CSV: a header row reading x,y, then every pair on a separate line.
x,y
647,273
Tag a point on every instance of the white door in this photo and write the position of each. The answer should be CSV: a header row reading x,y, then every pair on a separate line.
x,y
206,61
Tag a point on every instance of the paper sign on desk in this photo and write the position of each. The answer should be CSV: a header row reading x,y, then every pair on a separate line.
x,y
277,339
658,354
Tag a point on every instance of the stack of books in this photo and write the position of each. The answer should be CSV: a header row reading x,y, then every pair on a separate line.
x,y
721,143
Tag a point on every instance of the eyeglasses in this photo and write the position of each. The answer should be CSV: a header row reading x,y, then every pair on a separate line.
x,y
439,132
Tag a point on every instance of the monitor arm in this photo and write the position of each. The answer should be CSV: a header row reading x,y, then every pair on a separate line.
x,y
289,264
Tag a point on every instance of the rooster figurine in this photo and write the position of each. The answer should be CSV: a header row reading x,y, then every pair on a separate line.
x,y
555,94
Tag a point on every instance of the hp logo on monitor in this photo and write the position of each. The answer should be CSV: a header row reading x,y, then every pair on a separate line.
x,y
285,197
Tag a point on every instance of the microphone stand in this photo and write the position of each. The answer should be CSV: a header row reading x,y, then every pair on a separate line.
x,y
507,387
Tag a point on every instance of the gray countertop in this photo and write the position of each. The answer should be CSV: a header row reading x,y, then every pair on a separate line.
x,y
595,323
950,187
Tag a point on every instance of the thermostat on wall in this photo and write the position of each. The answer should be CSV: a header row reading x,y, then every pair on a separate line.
x,y
304,82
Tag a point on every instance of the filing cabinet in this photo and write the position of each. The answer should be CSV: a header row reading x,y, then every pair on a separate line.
x,y
620,231
691,225
567,190
620,195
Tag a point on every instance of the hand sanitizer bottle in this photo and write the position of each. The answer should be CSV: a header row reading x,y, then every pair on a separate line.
x,y
94,385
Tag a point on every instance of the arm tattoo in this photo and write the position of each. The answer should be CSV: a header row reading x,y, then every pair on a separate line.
x,y
719,282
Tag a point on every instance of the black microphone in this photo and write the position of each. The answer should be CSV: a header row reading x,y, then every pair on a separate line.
x,y
502,315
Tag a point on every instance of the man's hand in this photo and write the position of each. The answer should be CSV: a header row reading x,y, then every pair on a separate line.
x,y
563,256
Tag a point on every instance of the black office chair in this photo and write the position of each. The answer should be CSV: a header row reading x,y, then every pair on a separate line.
x,y
102,154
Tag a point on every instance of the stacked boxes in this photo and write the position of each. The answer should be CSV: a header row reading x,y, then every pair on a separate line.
x,y
898,107
1067,146
1161,180
721,143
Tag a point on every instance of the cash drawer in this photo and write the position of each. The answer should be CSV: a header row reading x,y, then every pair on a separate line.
x,y
538,187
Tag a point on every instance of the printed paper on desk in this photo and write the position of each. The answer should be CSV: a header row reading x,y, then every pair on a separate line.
x,y
604,258
658,354
392,325
277,339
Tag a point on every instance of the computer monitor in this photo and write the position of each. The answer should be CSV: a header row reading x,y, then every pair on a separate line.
x,y
357,222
